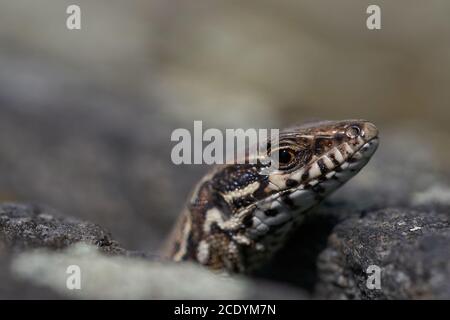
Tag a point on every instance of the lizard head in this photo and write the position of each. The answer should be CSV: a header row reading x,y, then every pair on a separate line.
x,y
240,214
319,156
313,160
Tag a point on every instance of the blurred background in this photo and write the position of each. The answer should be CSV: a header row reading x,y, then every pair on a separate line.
x,y
86,115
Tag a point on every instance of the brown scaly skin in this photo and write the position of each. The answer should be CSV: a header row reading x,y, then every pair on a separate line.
x,y
240,214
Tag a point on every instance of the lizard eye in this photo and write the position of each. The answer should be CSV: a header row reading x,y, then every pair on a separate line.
x,y
286,158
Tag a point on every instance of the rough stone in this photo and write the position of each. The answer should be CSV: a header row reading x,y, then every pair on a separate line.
x,y
410,246
37,245
29,226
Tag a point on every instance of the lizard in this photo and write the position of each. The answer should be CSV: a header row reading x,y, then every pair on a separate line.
x,y
239,215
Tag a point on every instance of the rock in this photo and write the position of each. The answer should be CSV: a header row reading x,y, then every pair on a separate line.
x,y
13,287
28,226
137,278
37,245
410,246
24,227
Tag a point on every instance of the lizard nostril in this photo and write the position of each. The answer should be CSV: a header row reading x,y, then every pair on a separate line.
x,y
353,131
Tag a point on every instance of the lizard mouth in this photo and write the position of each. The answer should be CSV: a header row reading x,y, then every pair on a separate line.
x,y
363,154
340,168
343,171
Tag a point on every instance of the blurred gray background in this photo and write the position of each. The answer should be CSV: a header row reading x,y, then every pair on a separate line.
x,y
86,116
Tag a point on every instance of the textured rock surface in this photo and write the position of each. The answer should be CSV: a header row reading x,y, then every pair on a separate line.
x,y
26,226
30,267
412,248
118,277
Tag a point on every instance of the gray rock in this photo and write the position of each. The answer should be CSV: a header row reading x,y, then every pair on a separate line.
x,y
13,287
27,226
137,278
410,246
37,245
